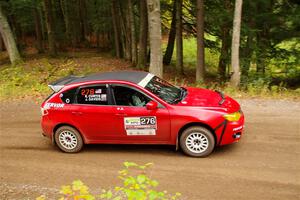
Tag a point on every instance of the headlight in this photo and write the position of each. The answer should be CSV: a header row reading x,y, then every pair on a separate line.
x,y
233,117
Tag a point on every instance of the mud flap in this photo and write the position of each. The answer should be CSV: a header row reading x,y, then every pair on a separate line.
x,y
177,147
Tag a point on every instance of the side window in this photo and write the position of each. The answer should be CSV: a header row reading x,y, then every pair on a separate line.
x,y
96,95
126,96
68,96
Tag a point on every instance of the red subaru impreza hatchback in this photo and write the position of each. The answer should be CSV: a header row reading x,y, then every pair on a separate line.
x,y
133,107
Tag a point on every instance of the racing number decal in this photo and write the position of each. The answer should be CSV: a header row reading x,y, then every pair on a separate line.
x,y
87,92
148,120
140,125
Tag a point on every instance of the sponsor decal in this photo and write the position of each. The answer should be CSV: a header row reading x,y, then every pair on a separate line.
x,y
54,105
238,128
95,97
98,91
146,80
140,125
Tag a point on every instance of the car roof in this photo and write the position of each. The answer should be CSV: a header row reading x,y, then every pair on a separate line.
x,y
131,76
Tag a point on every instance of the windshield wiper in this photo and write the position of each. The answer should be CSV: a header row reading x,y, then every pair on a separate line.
x,y
183,93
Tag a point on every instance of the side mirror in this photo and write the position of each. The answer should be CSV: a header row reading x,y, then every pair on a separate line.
x,y
152,105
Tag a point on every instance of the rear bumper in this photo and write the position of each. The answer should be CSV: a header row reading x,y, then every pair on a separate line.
x,y
47,127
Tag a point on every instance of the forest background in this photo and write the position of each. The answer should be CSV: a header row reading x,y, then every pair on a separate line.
x,y
188,42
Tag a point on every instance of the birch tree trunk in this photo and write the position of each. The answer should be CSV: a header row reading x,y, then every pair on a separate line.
x,y
9,40
179,48
142,53
154,22
200,69
236,76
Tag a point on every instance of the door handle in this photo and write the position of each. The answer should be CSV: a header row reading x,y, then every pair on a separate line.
x,y
76,113
121,114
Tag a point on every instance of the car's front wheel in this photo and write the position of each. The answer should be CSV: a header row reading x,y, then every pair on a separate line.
x,y
197,141
68,139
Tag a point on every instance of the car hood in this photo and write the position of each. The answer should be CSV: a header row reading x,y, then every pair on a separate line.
x,y
208,98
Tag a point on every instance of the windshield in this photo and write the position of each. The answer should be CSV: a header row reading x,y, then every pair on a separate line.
x,y
166,91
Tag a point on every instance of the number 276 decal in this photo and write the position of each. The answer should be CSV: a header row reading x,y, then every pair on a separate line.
x,y
148,120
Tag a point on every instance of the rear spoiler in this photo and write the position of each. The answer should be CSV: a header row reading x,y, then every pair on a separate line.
x,y
60,83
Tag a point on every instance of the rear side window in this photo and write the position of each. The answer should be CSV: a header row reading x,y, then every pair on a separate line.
x,y
96,95
68,96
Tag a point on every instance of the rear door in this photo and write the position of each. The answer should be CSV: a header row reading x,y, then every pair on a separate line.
x,y
135,123
92,112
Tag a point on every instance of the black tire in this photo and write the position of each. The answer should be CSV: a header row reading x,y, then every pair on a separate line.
x,y
68,139
197,141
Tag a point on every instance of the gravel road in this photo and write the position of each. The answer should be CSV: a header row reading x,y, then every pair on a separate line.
x,y
265,164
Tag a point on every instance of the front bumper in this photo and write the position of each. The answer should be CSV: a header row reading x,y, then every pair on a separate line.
x,y
230,132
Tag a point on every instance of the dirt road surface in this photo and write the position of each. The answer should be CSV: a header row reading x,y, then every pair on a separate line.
x,y
265,164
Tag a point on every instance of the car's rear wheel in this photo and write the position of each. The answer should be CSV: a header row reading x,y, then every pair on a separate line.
x,y
68,139
197,141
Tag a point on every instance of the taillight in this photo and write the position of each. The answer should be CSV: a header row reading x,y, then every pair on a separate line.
x,y
44,111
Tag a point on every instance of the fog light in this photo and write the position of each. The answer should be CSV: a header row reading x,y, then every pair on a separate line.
x,y
236,135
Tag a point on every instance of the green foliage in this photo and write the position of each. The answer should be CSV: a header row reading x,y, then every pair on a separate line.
x,y
136,185
190,55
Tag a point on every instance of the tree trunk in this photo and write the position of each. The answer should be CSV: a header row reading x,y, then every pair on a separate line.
x,y
116,26
50,27
171,40
224,56
83,19
65,12
200,69
9,39
142,54
236,76
126,33
261,52
246,54
132,34
98,40
179,48
122,29
38,29
2,48
154,21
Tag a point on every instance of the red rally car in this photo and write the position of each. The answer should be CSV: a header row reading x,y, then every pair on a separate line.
x,y
134,107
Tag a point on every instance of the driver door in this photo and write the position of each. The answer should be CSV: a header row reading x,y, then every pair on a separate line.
x,y
135,123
